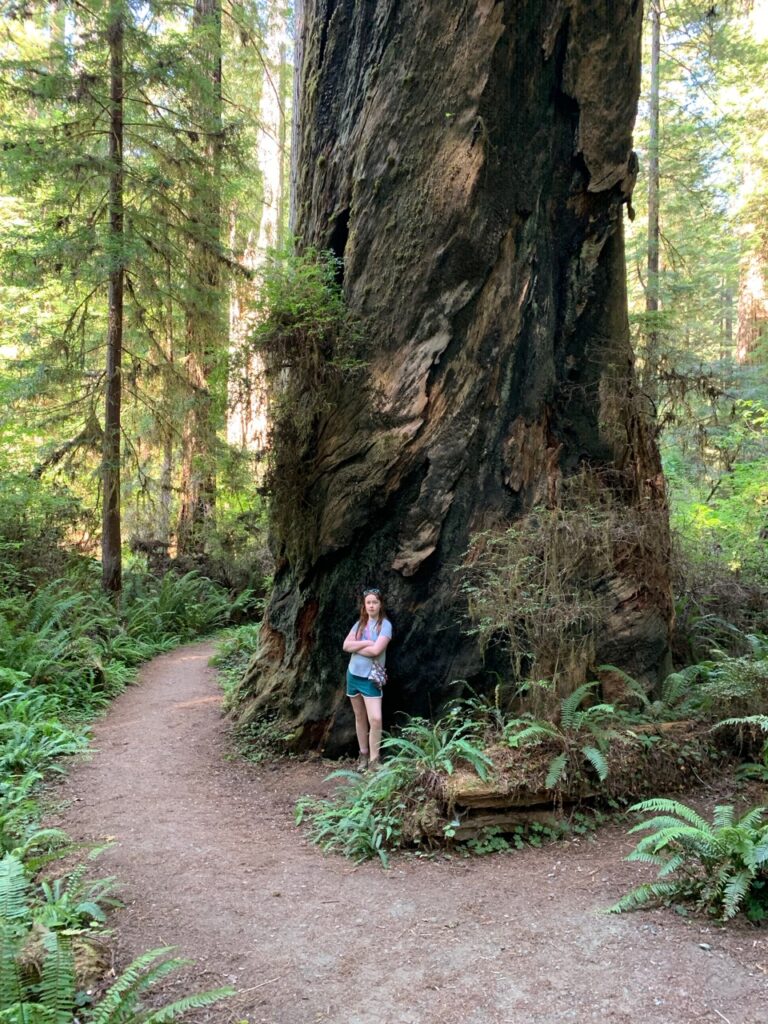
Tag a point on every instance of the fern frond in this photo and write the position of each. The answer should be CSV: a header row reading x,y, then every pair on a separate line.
x,y
13,887
533,733
735,892
597,760
11,989
556,771
573,702
696,840
761,721
675,861
57,984
676,685
646,857
631,684
760,853
661,821
723,816
665,806
193,1002
754,819
643,895
138,976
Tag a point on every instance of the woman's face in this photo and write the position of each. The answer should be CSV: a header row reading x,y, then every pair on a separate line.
x,y
372,606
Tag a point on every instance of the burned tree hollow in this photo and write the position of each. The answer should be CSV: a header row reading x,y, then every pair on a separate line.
x,y
473,160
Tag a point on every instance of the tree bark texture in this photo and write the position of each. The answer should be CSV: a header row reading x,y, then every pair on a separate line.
x,y
470,162
111,542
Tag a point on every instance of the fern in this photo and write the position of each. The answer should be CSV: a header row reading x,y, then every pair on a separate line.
x,y
11,989
635,688
121,1004
57,984
672,807
718,866
597,760
571,704
650,893
533,732
13,888
556,771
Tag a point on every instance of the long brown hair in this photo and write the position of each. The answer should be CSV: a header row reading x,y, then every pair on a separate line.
x,y
363,621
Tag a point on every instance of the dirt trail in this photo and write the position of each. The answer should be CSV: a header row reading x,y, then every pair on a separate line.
x,y
210,862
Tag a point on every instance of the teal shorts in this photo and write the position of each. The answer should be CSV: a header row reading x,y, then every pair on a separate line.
x,y
364,687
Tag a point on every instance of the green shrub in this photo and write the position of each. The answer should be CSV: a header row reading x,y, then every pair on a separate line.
x,y
234,651
36,522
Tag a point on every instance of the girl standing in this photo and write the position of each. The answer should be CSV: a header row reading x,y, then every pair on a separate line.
x,y
367,643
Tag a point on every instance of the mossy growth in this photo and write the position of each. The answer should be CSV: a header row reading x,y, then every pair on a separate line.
x,y
312,355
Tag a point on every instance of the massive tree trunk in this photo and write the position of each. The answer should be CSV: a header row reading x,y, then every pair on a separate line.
x,y
470,162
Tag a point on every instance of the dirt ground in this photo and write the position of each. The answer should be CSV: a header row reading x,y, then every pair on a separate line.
x,y
211,862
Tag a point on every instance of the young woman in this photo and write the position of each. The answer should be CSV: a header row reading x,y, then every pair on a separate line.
x,y
367,643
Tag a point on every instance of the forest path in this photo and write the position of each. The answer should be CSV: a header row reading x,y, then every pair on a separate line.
x,y
210,861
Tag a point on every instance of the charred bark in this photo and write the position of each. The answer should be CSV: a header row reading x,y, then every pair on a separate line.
x,y
469,162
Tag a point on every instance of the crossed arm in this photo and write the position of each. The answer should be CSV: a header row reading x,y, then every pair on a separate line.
x,y
365,647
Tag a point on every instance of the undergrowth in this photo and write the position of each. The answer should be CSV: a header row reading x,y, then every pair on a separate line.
x,y
65,651
587,748
720,867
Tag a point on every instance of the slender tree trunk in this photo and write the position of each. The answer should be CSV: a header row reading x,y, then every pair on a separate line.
x,y
652,282
207,333
111,543
727,329
248,419
752,324
470,163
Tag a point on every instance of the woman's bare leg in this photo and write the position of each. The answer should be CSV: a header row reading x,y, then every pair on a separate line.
x,y
361,722
373,711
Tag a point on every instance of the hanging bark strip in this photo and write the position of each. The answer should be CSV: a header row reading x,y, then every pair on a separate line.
x,y
111,533
470,163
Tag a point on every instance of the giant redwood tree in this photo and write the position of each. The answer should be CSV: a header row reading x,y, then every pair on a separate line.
x,y
470,163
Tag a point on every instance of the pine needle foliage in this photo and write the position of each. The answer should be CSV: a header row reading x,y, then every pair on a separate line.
x,y
721,867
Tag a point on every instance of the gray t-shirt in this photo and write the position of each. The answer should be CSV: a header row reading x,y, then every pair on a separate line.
x,y
359,664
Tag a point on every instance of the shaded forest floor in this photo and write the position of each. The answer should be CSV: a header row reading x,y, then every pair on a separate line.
x,y
211,862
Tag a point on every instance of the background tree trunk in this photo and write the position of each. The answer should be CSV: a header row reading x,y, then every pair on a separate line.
x,y
207,327
111,543
652,283
469,162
